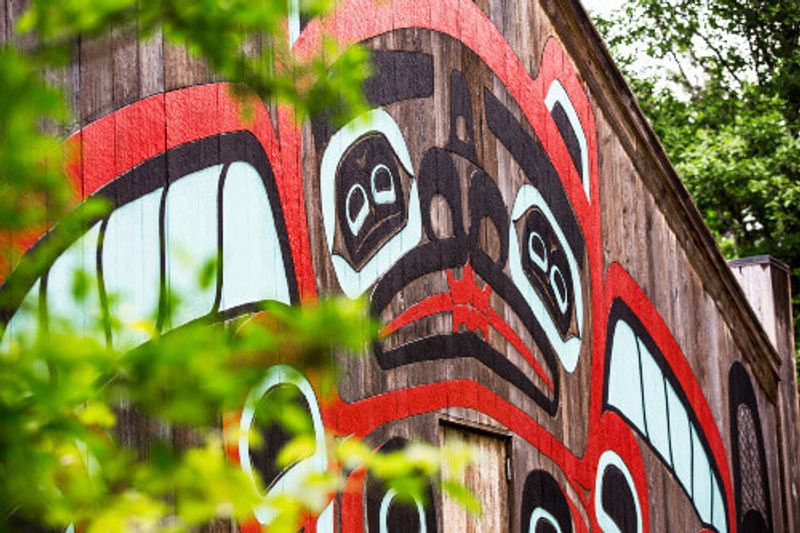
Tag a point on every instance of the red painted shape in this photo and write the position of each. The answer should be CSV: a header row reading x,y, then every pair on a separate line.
x,y
98,142
469,306
139,134
352,502
191,114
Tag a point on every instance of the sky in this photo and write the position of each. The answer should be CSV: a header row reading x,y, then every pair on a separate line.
x,y
601,6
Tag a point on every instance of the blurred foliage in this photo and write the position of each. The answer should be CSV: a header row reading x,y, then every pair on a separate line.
x,y
65,457
720,82
112,440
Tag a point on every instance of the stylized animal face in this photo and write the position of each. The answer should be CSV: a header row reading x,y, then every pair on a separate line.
x,y
465,233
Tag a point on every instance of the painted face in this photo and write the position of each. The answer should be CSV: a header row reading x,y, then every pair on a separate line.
x,y
488,258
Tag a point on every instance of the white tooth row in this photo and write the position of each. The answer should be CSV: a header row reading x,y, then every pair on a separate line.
x,y
253,268
638,389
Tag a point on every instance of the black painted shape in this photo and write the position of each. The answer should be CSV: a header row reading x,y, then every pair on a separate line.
x,y
461,114
617,500
274,435
438,177
402,517
466,344
397,75
541,490
753,522
621,311
354,191
539,232
569,135
486,201
527,151
740,392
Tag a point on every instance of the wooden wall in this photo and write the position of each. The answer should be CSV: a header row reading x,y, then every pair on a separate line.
x,y
548,288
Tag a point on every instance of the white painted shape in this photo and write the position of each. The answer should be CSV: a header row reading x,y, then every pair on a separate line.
x,y
556,93
568,350
701,492
190,222
680,436
382,196
292,479
655,403
540,260
353,283
624,380
355,222
325,522
80,317
294,21
252,263
540,515
719,520
559,287
24,324
132,266
386,503
606,523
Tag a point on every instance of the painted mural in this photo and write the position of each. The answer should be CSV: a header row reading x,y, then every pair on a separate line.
x,y
465,206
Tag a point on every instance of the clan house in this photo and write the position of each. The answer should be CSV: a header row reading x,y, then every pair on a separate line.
x,y
548,291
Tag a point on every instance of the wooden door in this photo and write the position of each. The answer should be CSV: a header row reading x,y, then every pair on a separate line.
x,y
487,479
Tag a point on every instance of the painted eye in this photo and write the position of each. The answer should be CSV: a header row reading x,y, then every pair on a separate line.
x,y
537,251
383,187
544,506
370,203
386,513
547,272
559,287
616,500
546,266
357,208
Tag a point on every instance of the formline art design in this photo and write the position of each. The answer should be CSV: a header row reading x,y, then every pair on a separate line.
x,y
473,205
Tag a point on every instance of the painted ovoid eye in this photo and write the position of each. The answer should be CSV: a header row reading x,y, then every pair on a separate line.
x,y
547,269
383,185
356,208
544,268
537,251
616,500
370,203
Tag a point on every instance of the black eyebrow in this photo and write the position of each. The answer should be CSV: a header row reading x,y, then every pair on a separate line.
x,y
397,75
533,160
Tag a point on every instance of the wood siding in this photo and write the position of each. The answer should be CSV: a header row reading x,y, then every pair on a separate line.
x,y
513,220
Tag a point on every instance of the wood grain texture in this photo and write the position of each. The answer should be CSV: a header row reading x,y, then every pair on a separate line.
x,y
643,245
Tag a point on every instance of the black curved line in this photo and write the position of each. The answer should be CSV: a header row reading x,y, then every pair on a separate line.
x,y
741,392
223,176
101,288
466,345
